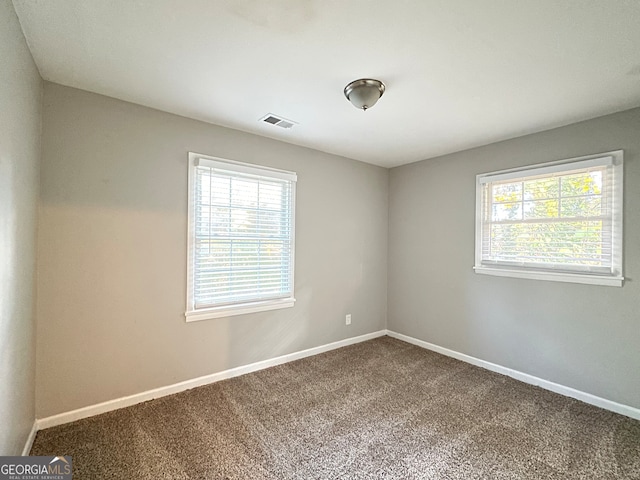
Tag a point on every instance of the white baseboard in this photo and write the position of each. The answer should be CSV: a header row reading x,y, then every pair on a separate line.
x,y
525,377
29,443
130,400
122,402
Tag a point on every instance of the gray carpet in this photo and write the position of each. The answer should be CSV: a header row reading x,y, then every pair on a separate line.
x,y
382,409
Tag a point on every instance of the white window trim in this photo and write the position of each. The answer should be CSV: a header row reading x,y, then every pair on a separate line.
x,y
192,314
616,279
231,310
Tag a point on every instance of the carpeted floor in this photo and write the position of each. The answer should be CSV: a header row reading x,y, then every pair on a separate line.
x,y
382,409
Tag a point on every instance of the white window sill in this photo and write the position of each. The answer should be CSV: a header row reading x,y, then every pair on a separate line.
x,y
609,281
242,309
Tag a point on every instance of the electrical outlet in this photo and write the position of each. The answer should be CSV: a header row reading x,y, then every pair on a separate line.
x,y
347,320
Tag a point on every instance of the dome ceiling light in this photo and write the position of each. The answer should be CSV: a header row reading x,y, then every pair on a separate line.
x,y
364,93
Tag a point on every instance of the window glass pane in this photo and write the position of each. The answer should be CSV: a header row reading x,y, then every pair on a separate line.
x,y
541,188
271,196
588,183
507,192
244,192
243,222
212,256
571,243
581,207
541,209
245,254
507,211
220,192
273,224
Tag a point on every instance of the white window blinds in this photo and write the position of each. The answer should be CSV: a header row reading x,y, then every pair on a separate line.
x,y
242,238
560,218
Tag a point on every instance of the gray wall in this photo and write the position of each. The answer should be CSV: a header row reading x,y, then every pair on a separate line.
x,y
20,95
112,246
582,336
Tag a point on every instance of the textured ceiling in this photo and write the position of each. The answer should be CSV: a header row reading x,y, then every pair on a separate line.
x,y
459,73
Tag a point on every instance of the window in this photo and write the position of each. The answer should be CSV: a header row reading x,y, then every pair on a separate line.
x,y
559,221
241,238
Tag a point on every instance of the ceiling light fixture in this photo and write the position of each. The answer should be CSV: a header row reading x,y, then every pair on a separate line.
x,y
364,93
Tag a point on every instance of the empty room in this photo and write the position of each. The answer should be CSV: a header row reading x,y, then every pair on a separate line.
x,y
307,239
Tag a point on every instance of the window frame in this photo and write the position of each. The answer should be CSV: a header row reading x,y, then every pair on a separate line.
x,y
240,308
615,278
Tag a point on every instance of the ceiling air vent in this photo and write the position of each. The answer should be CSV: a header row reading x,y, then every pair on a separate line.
x,y
278,121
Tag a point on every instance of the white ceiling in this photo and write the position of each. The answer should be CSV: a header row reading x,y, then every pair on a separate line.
x,y
459,73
